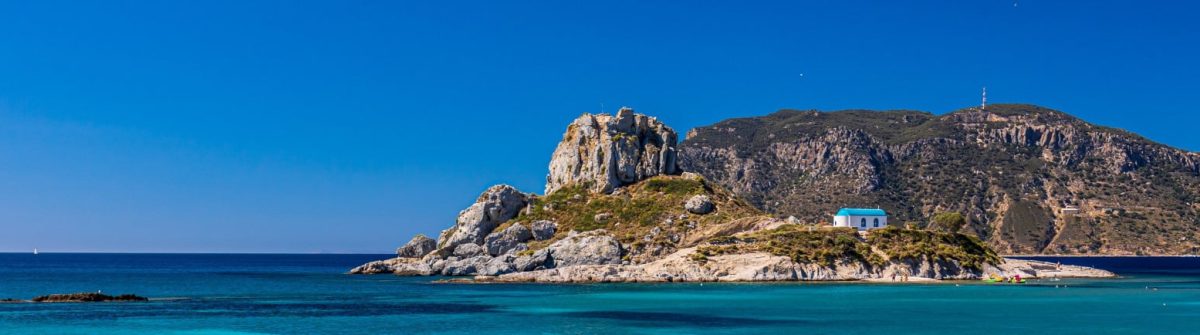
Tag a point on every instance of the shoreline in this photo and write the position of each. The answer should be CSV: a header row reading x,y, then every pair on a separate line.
x,y
761,267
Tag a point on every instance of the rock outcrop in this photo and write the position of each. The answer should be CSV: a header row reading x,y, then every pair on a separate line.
x,y
495,206
608,151
593,247
544,229
511,239
678,267
419,246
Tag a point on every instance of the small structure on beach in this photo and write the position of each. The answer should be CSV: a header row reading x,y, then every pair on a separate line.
x,y
860,218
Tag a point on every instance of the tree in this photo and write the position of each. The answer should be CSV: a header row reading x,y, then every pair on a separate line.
x,y
947,221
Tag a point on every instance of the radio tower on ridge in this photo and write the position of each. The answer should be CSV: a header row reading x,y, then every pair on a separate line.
x,y
983,104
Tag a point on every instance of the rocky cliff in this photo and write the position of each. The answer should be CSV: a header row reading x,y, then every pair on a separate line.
x,y
1017,172
604,152
613,210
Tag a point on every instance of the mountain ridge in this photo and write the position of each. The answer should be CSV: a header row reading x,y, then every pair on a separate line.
x,y
1011,169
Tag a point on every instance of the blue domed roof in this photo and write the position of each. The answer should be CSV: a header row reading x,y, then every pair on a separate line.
x,y
861,212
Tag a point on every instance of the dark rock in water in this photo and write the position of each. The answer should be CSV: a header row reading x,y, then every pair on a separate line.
x,y
10,300
87,297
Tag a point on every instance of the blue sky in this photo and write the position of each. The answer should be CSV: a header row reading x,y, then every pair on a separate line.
x,y
261,126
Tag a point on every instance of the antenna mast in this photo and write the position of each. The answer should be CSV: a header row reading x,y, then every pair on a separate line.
x,y
983,104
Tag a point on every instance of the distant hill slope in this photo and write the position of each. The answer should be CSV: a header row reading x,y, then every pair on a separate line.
x,y
1010,169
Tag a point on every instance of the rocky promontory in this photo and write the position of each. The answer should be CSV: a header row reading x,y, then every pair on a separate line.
x,y
617,209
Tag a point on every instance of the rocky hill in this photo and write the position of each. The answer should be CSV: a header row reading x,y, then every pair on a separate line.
x,y
1015,171
615,210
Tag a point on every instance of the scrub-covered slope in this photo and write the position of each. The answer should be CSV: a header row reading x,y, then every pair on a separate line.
x,y
1015,171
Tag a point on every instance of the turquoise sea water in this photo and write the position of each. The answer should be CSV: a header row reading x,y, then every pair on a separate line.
x,y
302,294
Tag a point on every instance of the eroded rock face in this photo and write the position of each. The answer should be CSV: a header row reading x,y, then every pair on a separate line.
x,y
496,205
499,243
418,247
699,204
607,151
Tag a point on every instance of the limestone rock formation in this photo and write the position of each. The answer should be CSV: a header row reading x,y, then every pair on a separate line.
x,y
678,267
607,151
419,246
499,243
544,229
466,250
496,205
593,247
699,204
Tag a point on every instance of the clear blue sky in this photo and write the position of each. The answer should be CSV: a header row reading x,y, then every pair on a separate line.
x,y
259,126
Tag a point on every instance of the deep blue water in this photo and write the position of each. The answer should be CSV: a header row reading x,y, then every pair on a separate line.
x,y
303,294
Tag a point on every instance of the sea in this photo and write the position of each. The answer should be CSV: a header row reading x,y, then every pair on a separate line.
x,y
311,294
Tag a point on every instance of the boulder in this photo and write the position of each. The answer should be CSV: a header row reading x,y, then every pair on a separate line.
x,y
376,267
699,204
499,243
537,261
466,266
418,247
543,229
608,151
466,250
495,206
593,247
497,266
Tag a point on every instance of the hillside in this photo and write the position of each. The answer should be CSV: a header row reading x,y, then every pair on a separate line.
x,y
1011,170
616,209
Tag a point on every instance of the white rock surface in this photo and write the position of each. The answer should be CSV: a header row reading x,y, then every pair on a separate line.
x,y
499,243
496,205
699,204
418,247
608,151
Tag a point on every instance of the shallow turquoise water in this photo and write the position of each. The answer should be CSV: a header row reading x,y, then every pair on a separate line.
x,y
291,294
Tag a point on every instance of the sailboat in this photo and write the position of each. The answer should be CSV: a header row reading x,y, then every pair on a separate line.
x,y
35,251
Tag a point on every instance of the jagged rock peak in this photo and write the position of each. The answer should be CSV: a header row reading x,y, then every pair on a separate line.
x,y
608,151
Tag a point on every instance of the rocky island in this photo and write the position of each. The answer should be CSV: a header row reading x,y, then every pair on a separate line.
x,y
80,297
618,208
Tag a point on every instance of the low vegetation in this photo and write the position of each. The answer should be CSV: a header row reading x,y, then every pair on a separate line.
x,y
898,243
828,245
648,215
801,243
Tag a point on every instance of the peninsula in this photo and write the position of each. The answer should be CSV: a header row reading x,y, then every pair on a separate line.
x,y
618,208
